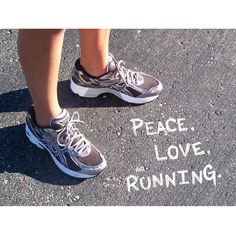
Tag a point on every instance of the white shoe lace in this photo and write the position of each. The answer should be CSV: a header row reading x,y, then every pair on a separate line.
x,y
129,76
70,133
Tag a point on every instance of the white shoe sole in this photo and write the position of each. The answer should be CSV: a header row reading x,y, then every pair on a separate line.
x,y
67,171
94,92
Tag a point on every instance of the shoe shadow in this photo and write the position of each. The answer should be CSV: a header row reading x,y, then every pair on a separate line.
x,y
19,100
18,155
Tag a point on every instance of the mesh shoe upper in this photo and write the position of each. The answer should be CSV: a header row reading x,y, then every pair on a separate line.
x,y
135,84
63,139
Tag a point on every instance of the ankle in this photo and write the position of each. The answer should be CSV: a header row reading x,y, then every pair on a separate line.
x,y
43,117
95,71
95,68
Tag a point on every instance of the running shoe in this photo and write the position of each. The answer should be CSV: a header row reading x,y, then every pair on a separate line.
x,y
130,86
70,150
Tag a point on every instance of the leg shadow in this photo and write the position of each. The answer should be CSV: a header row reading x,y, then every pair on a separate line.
x,y
18,155
19,100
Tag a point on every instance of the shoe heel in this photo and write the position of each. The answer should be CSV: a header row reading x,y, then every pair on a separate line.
x,y
86,92
32,138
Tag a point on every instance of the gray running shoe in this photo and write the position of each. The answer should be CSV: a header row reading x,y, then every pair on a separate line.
x,y
130,86
69,149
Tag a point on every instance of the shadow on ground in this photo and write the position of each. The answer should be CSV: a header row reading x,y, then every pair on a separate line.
x,y
19,100
18,155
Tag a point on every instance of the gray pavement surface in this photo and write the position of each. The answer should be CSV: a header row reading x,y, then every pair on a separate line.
x,y
198,70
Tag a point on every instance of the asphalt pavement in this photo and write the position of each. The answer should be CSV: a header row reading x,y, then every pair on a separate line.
x,y
177,150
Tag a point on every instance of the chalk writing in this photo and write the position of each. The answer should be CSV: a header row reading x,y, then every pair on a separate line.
x,y
181,177
155,128
173,152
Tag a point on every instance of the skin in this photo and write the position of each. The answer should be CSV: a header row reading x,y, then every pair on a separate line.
x,y
40,55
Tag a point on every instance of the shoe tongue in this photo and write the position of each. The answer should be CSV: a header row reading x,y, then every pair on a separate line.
x,y
111,66
60,121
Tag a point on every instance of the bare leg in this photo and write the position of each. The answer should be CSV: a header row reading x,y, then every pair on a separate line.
x,y
94,50
40,54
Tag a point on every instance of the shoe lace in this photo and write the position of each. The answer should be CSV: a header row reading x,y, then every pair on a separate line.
x,y
71,138
129,76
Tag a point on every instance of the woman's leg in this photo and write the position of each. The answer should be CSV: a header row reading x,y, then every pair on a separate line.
x,y
40,54
94,45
